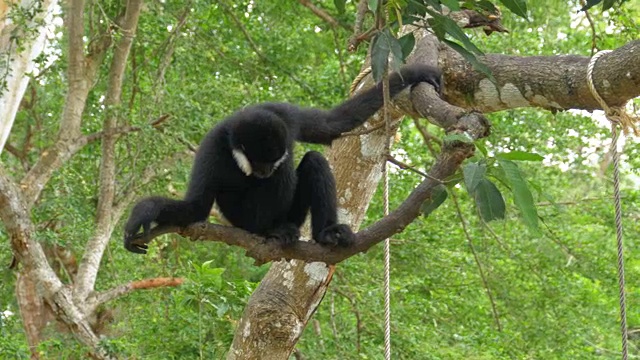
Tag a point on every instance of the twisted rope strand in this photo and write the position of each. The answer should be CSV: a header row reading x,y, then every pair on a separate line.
x,y
617,116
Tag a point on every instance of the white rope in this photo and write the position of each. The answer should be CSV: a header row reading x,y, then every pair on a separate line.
x,y
613,117
387,268
387,242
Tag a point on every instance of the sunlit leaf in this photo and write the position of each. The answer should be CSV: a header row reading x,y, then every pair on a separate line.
x,y
451,4
457,137
520,155
518,7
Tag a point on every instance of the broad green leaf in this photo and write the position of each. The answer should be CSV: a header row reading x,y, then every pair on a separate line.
x,y
442,24
451,4
489,201
407,43
438,196
607,4
339,4
373,5
520,155
379,56
485,5
396,50
518,7
471,59
481,147
521,193
457,137
434,4
590,4
473,174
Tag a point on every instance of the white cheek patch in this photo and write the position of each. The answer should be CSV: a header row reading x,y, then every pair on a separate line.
x,y
242,161
281,160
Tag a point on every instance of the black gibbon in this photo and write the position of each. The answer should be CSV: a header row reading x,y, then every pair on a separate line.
x,y
245,165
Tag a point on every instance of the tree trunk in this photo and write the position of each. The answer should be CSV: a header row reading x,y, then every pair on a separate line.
x,y
20,58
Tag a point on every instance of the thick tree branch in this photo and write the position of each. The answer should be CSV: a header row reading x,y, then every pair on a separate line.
x,y
549,82
81,74
90,263
16,219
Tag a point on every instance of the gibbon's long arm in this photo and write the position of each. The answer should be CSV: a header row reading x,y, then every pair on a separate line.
x,y
323,126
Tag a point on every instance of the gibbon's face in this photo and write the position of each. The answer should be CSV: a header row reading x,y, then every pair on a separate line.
x,y
260,148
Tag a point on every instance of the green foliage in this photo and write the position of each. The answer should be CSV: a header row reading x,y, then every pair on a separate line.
x,y
549,260
438,198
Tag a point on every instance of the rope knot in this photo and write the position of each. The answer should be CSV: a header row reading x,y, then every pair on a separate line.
x,y
617,115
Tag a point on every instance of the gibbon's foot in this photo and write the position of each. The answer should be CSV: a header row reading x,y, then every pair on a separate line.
x,y
286,234
336,235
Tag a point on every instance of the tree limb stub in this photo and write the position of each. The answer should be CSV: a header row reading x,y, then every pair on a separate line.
x,y
264,251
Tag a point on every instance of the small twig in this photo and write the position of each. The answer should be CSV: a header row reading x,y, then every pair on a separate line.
x,y
324,15
356,313
259,53
575,202
592,25
496,316
405,166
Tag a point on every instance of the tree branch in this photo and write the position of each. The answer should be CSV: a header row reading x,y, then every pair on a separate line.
x,y
549,82
324,15
263,251
90,263
114,293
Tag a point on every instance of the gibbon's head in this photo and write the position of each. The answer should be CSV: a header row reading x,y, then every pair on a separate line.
x,y
259,144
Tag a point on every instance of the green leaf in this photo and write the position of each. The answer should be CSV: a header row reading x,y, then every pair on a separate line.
x,y
407,43
396,50
339,4
451,4
438,196
373,5
518,7
520,155
471,59
590,4
379,56
457,137
607,4
481,147
473,174
489,201
442,24
521,193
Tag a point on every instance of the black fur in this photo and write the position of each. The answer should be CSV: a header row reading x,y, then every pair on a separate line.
x,y
274,200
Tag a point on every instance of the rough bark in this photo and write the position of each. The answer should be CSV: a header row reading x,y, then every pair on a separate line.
x,y
548,82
